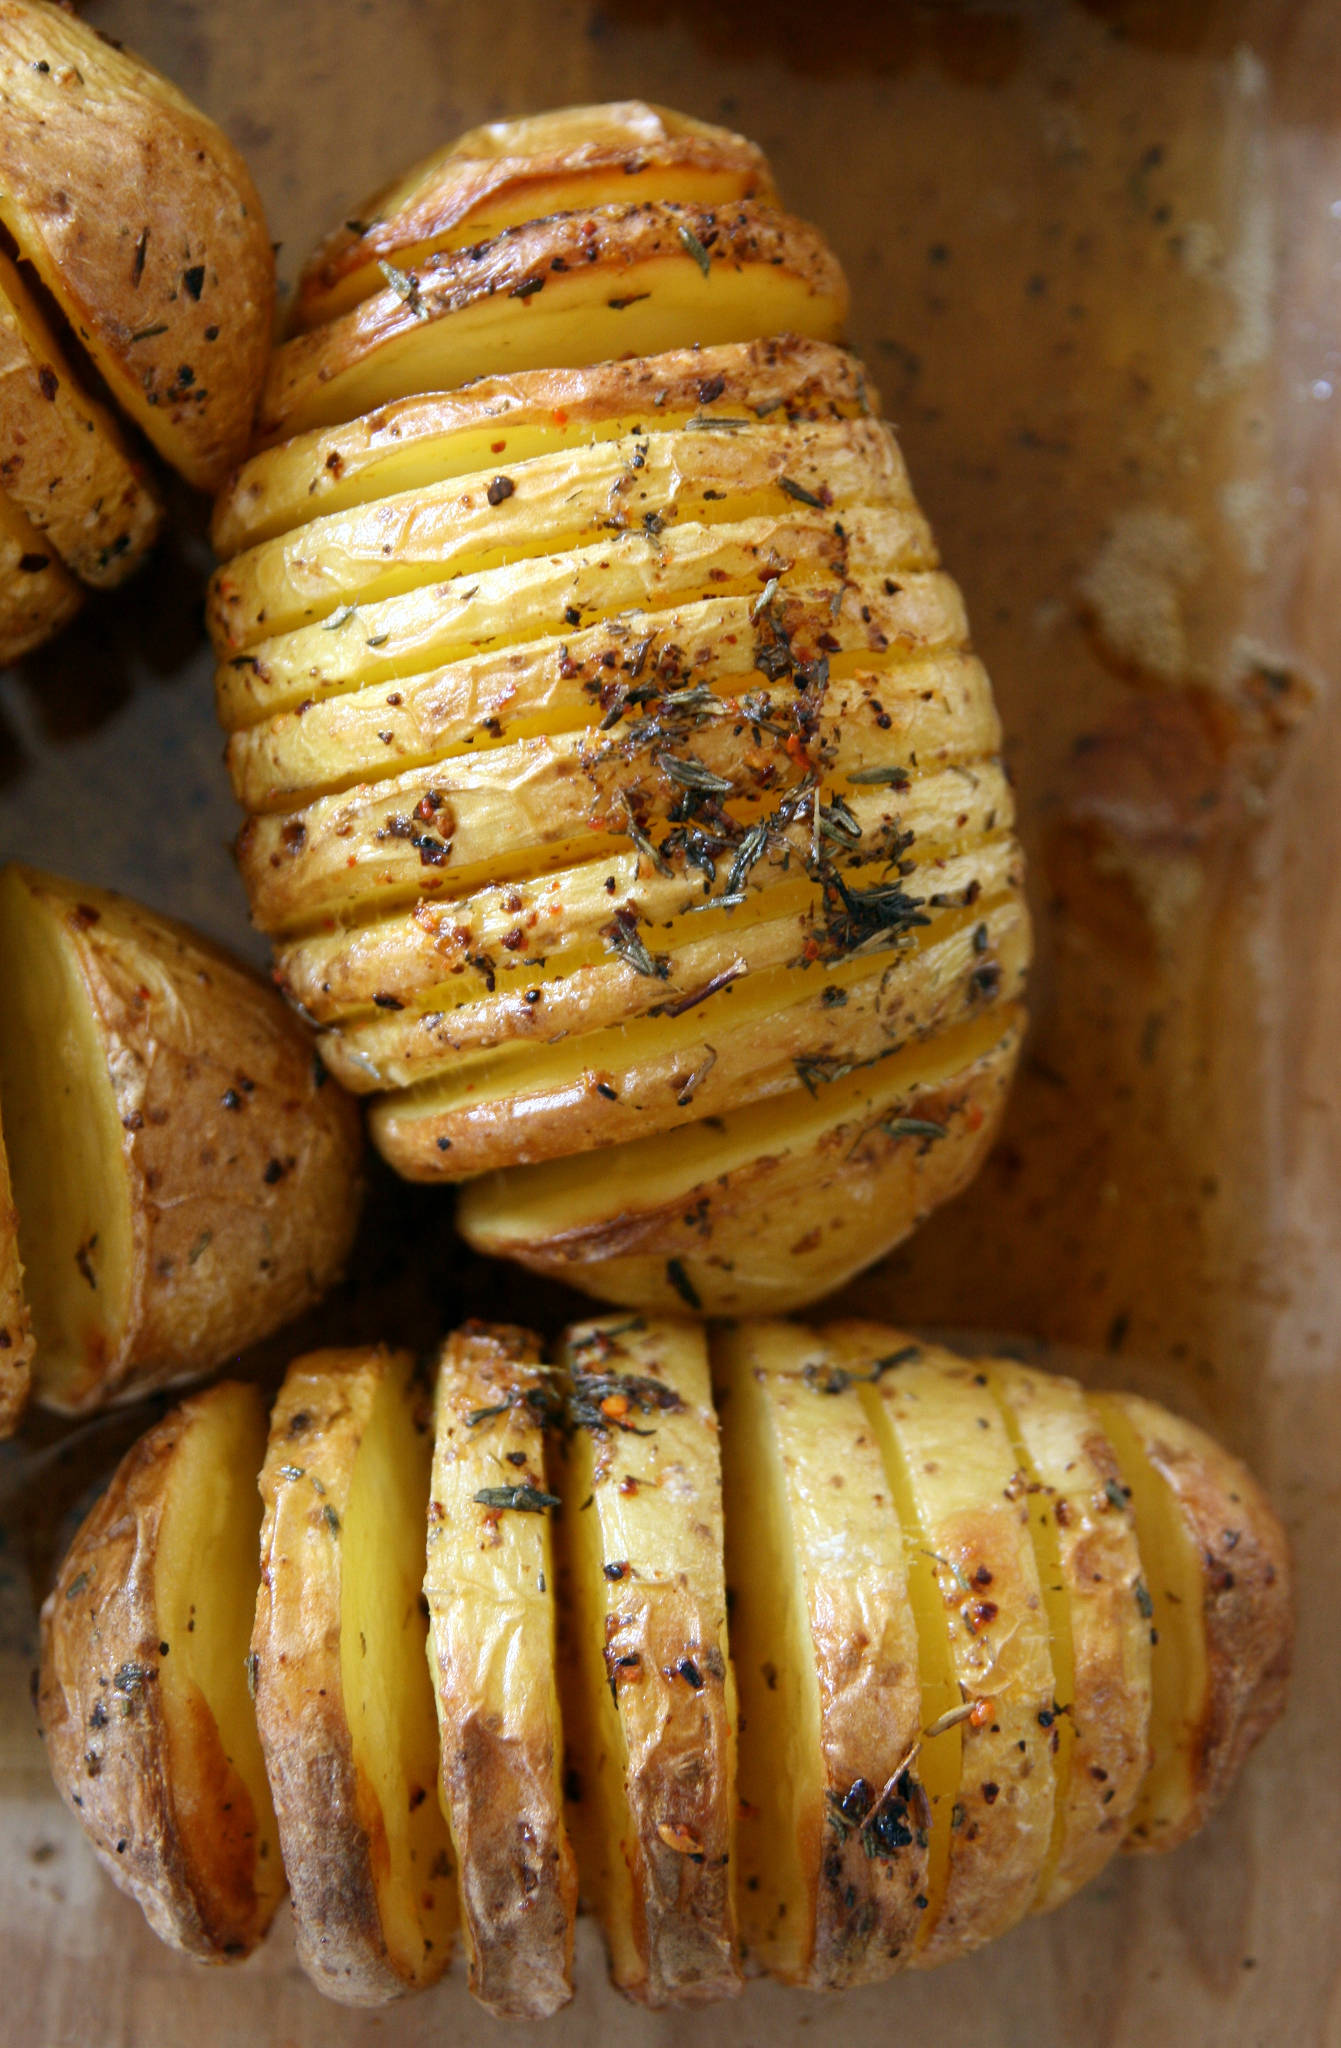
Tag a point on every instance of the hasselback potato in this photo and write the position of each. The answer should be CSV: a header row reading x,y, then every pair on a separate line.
x,y
136,306
817,1652
622,780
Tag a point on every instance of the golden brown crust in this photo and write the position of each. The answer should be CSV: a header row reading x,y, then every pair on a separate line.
x,y
177,1842
242,1160
527,169
605,242
37,593
782,1229
1247,1610
16,1337
143,222
784,377
327,1823
490,1589
62,458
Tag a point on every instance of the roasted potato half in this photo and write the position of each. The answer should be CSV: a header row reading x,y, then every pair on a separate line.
x,y
848,1652
143,1700
140,267
185,1178
622,779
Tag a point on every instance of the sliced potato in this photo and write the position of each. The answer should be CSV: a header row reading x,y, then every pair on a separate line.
x,y
1217,1597
16,1336
765,1208
63,459
142,222
1089,1567
576,288
37,593
343,1697
954,1474
510,172
650,1706
434,435
833,1842
491,1594
185,1183
640,483
143,1699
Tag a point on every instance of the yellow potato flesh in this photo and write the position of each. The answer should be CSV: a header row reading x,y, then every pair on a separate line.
x,y
573,323
1175,1586
71,1183
212,1511
525,1203
388,1697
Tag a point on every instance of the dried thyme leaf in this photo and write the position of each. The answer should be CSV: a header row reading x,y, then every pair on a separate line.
x,y
406,288
692,245
692,773
683,1285
912,1127
527,1500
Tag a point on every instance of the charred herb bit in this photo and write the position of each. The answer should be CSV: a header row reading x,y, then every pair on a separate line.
x,y
857,916
689,1088
253,1673
1117,1495
148,333
406,287
683,1285
837,822
826,1379
193,279
631,299
643,844
1143,1600
912,1127
681,1005
834,998
621,937
817,1070
602,1401
692,246
330,1517
800,493
525,1499
751,849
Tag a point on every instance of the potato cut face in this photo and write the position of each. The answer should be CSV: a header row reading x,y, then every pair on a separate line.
x,y
1170,1596
953,1465
650,1702
833,1839
66,1148
658,271
1089,1569
205,1571
491,1591
344,1700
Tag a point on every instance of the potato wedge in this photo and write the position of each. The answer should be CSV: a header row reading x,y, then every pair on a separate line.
x,y
142,222
1089,1568
37,593
833,1847
1217,1597
491,1591
63,459
434,435
343,1698
16,1337
143,1694
510,172
576,288
650,1704
184,1181
956,1483
766,1208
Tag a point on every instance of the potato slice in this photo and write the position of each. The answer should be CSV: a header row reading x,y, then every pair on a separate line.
x,y
16,1337
434,435
491,1594
529,600
763,1209
37,593
956,1481
185,1183
650,1701
343,1698
641,483
1089,1567
902,652
142,222
63,458
1216,1594
143,1695
551,294
832,1835
510,172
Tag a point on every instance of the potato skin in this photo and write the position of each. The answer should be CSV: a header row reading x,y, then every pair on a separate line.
x,y
1247,1607
16,1338
101,1715
242,1160
142,217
